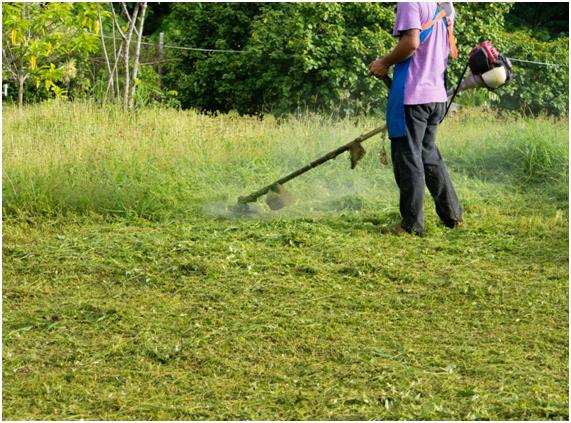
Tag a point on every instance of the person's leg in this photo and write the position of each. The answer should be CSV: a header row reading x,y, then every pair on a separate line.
x,y
406,154
436,173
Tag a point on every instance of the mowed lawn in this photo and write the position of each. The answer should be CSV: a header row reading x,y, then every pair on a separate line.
x,y
129,291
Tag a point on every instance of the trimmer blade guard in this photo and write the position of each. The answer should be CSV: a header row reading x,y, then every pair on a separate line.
x,y
357,153
278,198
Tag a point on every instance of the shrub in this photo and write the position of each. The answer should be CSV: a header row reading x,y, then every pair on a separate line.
x,y
298,56
536,88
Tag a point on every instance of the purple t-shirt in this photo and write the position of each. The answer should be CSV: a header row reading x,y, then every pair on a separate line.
x,y
425,80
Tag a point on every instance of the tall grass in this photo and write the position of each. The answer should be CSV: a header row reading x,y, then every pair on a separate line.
x,y
78,157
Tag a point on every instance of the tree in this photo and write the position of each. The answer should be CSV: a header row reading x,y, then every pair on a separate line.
x,y
41,41
128,23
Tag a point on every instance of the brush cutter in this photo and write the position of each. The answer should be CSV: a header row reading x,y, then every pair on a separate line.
x,y
278,197
488,68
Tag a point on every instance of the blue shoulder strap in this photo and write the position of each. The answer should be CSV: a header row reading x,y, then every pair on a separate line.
x,y
427,31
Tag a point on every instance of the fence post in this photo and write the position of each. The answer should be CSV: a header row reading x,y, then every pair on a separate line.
x,y
161,53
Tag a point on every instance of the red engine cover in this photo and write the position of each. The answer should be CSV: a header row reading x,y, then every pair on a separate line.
x,y
490,51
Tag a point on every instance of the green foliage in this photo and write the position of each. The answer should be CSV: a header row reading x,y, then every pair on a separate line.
x,y
315,56
149,91
298,55
44,41
536,88
545,22
197,76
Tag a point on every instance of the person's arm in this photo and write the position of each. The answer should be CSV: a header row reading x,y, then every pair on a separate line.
x,y
407,45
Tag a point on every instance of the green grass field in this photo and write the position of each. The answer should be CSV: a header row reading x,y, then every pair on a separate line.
x,y
130,293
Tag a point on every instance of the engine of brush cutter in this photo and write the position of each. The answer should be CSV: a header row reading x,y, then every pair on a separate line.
x,y
488,68
494,69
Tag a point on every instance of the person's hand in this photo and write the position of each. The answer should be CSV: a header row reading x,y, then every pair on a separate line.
x,y
378,68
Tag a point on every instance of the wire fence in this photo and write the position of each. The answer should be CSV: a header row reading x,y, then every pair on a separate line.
x,y
525,91
159,47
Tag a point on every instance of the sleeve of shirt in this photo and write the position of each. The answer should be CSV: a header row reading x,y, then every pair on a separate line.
x,y
408,17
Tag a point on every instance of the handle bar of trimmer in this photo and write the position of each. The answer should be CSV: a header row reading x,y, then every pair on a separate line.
x,y
388,81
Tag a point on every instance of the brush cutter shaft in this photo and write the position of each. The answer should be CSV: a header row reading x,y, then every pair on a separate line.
x,y
331,155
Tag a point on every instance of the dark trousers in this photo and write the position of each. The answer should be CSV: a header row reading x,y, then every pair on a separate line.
x,y
416,162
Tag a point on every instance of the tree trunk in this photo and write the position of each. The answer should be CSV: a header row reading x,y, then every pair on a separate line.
x,y
137,54
115,73
126,56
21,80
116,57
116,54
107,63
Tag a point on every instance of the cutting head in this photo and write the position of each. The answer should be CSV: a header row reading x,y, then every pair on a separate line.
x,y
244,209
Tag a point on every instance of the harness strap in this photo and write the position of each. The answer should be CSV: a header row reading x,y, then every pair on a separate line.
x,y
428,24
448,24
451,39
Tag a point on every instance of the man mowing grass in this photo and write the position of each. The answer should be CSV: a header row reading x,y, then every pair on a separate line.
x,y
416,106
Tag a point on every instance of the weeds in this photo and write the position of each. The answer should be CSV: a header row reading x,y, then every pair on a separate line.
x,y
542,159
